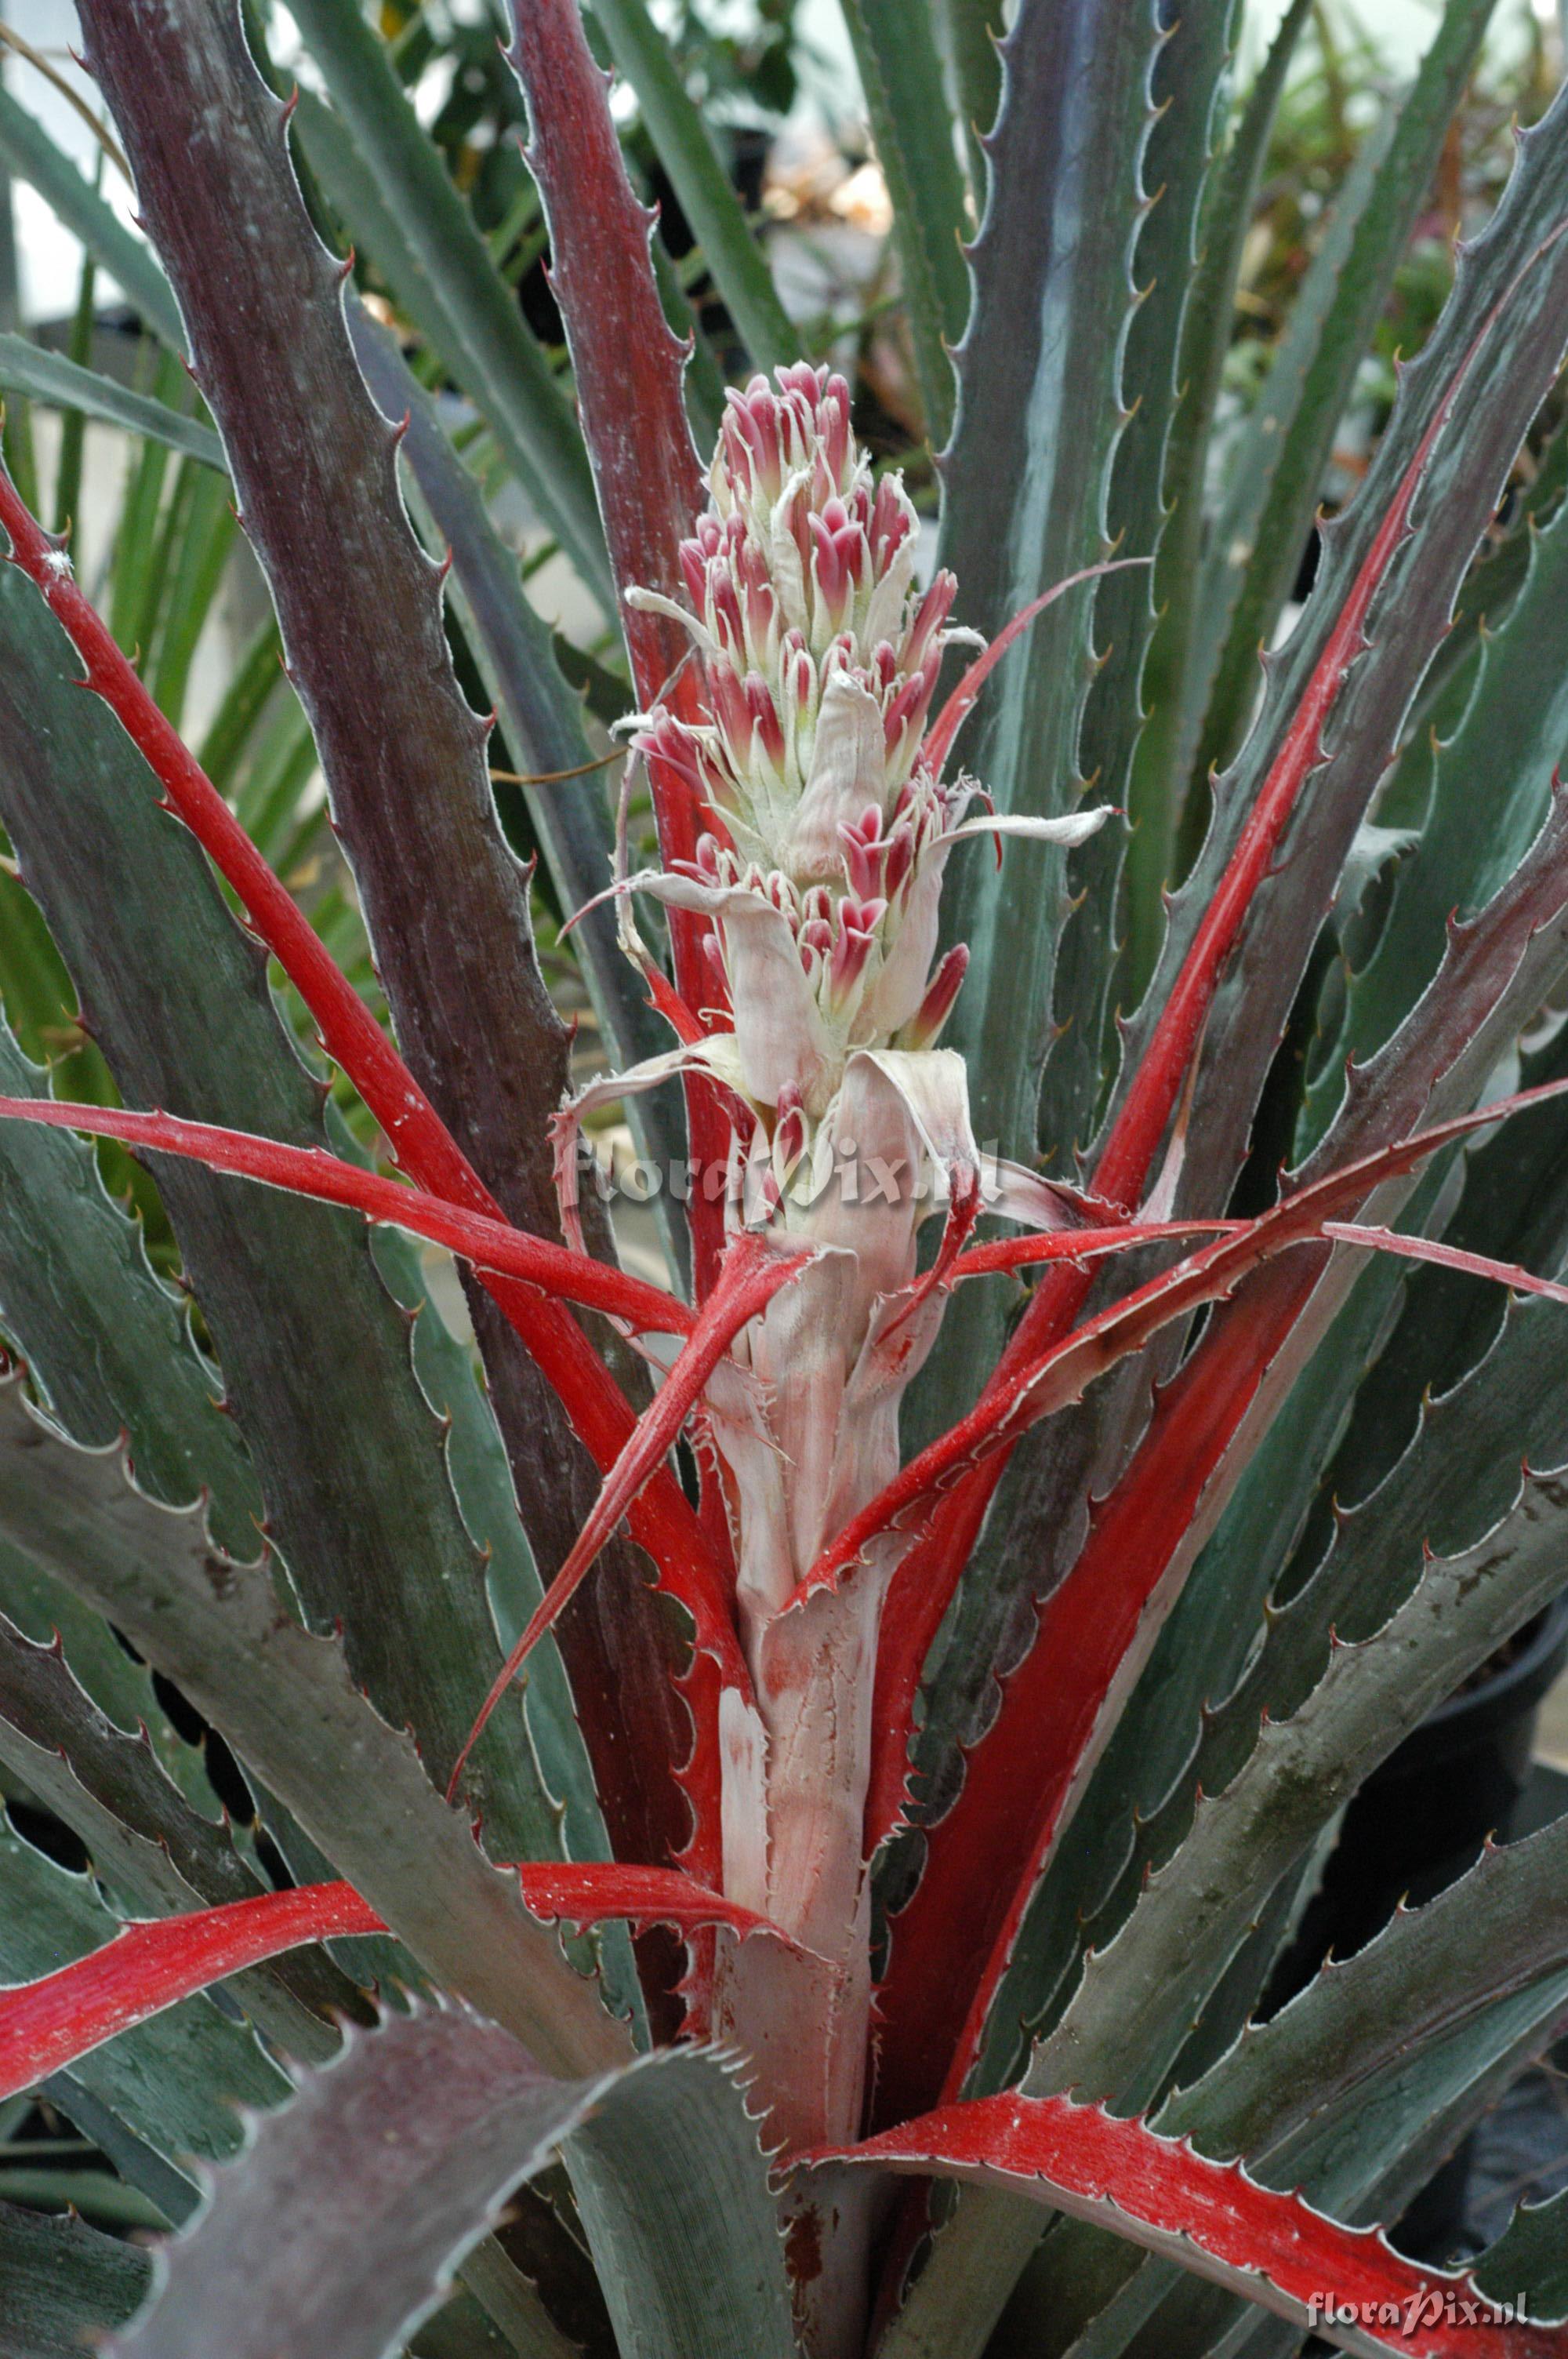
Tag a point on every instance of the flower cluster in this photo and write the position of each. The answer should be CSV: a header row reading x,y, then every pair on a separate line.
x,y
819,659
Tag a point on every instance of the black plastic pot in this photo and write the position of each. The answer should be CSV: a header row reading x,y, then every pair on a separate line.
x,y
1417,1823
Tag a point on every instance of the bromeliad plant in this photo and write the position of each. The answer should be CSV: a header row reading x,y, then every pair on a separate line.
x,y
927,1655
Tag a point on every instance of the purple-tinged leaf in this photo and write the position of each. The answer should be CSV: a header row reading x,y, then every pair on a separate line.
x,y
627,366
444,900
354,2204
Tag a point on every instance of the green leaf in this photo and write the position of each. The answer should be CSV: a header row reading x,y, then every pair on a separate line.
x,y
108,1344
63,2281
49,378
196,575
173,2082
1514,1193
139,545
481,1481
1367,2080
1118,877
1508,292
1125,2024
683,2232
974,2265
912,126
1158,774
244,701
1274,484
32,155
684,146
970,31
122,1688
72,426
423,230
1500,758
152,1854
1039,373
288,1704
358,1500
1500,1930
1358,2132
1532,2257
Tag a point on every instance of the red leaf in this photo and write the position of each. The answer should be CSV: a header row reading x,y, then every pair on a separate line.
x,y
661,1519
490,1242
928,1580
627,367
47,2025
951,1945
965,696
1061,1371
1135,1135
751,1275
1274,2249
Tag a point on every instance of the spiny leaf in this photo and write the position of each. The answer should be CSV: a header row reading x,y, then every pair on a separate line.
x,y
63,2279
1273,484
171,2084
150,1849
1498,1929
1463,408
1532,2257
286,1702
1410,2043
1040,368
1207,322
419,2135
1187,87
1208,1416
1456,430
294,1303
150,1966
683,145
422,227
542,714
1501,756
1300,1769
110,1346
1273,2248
411,1123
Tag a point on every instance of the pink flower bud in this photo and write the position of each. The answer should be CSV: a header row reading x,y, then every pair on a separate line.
x,y
789,1132
898,862
765,721
934,611
923,1026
